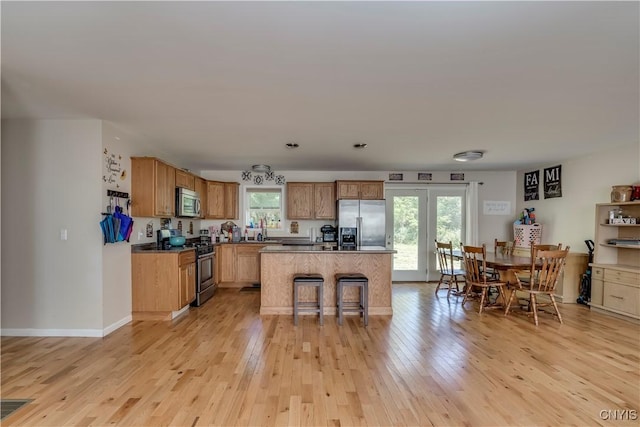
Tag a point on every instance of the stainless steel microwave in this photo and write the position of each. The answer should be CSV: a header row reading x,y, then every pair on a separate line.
x,y
187,203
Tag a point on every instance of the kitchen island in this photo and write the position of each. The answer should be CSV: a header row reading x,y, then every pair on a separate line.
x,y
280,263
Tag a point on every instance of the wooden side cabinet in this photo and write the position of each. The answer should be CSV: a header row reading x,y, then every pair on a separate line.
x,y
311,200
162,283
363,190
615,276
153,184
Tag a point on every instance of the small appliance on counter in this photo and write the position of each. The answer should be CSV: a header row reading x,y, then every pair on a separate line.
x,y
166,238
329,233
348,237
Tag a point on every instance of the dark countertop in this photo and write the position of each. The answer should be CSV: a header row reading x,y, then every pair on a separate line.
x,y
320,248
153,248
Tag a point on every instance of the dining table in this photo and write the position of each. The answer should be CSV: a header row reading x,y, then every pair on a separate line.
x,y
504,264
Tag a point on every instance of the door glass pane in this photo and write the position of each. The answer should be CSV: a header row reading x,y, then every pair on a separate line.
x,y
405,232
449,221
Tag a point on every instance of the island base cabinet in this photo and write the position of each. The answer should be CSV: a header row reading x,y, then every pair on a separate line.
x,y
278,269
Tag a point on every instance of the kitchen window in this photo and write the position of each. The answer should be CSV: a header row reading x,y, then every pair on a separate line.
x,y
263,204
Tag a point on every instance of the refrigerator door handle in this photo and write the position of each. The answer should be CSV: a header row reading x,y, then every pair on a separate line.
x,y
359,230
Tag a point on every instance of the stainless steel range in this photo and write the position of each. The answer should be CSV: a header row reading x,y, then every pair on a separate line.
x,y
205,262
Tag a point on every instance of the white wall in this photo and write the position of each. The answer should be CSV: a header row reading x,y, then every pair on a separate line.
x,y
586,181
116,257
51,181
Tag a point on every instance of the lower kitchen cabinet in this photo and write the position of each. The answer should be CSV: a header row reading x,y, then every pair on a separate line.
x,y
248,263
162,283
238,263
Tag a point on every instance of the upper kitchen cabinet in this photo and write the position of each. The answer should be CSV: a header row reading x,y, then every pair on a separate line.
x,y
362,190
299,200
231,191
185,180
222,200
215,200
153,185
201,188
324,200
311,200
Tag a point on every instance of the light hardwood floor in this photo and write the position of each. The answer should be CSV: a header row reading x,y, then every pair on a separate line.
x,y
431,363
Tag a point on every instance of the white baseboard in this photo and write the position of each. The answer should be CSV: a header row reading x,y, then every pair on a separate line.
x,y
116,325
51,333
97,333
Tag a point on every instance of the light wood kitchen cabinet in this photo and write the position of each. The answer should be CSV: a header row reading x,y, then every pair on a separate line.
x,y
187,262
324,194
162,283
248,263
311,200
215,200
231,190
153,184
363,190
222,200
185,180
226,259
615,283
238,263
300,200
201,188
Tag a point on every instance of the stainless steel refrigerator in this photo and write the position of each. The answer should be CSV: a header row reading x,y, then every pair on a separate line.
x,y
367,216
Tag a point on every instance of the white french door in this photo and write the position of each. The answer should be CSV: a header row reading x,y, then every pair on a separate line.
x,y
416,217
407,222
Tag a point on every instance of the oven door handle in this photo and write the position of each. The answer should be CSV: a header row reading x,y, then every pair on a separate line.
x,y
205,256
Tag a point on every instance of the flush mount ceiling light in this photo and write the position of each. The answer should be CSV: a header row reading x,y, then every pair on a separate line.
x,y
467,156
261,168
359,146
292,145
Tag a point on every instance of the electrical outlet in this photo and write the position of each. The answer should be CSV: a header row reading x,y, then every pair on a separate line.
x,y
140,234
63,234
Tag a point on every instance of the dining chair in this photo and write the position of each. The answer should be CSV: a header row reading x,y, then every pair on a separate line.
x,y
535,248
500,247
546,267
448,273
475,267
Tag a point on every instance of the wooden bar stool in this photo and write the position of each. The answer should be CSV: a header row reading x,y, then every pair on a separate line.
x,y
362,306
308,307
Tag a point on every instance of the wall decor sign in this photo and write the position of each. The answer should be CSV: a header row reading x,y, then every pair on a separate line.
x,y
490,207
113,168
261,178
424,176
396,177
553,182
457,177
532,185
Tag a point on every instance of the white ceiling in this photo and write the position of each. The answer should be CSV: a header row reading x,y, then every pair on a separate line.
x,y
224,85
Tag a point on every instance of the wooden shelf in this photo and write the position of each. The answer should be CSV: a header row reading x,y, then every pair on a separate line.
x,y
620,246
620,225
